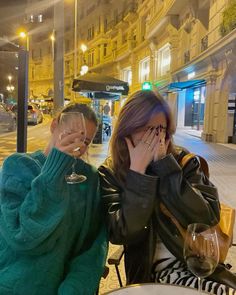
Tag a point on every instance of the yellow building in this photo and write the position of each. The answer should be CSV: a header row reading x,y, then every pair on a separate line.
x,y
176,45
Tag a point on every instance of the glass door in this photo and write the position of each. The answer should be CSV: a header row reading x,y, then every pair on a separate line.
x,y
198,106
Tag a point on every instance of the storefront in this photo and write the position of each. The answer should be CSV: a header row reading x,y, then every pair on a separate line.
x,y
190,102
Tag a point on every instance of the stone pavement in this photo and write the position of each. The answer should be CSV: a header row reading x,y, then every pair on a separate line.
x,y
222,164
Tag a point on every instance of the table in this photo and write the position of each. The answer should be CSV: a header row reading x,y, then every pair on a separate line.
x,y
157,289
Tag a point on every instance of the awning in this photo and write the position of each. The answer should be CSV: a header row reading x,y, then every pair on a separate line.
x,y
101,86
186,84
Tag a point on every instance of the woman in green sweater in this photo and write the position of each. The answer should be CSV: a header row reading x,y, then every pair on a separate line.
x,y
52,238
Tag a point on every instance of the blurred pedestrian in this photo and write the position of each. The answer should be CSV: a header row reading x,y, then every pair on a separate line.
x,y
106,109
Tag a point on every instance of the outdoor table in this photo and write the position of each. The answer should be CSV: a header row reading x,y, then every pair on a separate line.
x,y
157,289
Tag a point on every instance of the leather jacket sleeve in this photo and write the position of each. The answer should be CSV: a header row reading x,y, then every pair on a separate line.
x,y
186,192
128,207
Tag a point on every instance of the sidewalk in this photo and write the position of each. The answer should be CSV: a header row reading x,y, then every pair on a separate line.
x,y
222,164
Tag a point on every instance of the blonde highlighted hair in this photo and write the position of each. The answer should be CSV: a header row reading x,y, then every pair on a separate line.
x,y
136,113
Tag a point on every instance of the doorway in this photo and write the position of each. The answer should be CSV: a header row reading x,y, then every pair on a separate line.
x,y
198,107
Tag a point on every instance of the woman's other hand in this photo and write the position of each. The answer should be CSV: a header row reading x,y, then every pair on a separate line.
x,y
142,153
161,147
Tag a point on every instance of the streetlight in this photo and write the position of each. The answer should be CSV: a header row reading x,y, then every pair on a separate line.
x,y
10,88
24,35
84,67
9,79
83,47
52,37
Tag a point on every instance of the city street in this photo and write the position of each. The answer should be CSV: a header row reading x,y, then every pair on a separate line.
x,y
37,138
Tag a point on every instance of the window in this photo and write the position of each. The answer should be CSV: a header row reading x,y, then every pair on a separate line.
x,y
40,18
127,75
90,33
33,73
105,50
91,58
164,59
99,25
105,25
67,45
67,67
144,69
40,53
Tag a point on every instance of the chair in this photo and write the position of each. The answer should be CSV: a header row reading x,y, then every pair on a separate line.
x,y
115,260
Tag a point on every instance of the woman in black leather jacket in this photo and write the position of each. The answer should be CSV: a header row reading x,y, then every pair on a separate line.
x,y
143,171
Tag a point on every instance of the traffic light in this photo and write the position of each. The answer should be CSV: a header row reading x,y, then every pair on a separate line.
x,y
147,86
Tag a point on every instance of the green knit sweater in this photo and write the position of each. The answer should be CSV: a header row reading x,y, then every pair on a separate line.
x,y
52,238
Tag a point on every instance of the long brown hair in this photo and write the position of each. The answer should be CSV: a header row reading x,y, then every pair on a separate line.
x,y
136,113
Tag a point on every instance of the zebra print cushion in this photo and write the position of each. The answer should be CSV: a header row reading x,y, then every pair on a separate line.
x,y
172,271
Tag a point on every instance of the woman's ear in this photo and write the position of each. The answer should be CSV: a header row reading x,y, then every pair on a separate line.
x,y
54,125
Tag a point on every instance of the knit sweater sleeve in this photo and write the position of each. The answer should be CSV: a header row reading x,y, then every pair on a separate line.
x,y
32,201
86,269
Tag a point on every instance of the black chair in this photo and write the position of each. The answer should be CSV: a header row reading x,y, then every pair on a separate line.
x,y
115,260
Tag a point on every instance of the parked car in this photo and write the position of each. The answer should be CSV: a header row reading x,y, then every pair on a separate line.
x,y
7,119
34,114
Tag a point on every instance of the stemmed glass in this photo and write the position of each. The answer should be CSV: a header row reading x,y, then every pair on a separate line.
x,y
201,251
73,122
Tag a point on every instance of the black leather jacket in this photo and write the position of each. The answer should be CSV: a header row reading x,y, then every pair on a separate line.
x,y
134,216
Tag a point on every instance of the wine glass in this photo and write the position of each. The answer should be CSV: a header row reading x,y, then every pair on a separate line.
x,y
73,122
201,251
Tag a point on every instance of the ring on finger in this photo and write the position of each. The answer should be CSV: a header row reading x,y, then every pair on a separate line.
x,y
77,149
147,142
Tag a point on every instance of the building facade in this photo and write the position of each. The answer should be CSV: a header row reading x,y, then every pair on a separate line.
x,y
175,45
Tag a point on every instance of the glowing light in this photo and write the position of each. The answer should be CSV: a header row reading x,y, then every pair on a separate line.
x,y
191,75
83,47
147,86
23,34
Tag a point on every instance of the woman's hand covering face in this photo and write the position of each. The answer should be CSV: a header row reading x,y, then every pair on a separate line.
x,y
152,146
143,150
70,143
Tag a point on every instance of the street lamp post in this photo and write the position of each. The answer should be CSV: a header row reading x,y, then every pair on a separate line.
x,y
25,35
75,38
58,99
